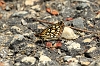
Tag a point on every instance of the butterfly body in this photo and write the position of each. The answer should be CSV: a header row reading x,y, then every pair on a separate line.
x,y
53,32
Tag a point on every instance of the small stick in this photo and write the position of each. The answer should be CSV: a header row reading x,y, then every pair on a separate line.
x,y
43,21
83,30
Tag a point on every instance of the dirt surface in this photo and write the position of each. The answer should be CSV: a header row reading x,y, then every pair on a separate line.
x,y
49,33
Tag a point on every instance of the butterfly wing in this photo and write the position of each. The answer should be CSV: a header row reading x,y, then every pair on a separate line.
x,y
53,31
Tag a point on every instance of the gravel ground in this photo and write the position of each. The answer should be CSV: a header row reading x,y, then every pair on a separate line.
x,y
25,25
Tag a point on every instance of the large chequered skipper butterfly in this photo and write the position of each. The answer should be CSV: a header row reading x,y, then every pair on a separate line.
x,y
52,32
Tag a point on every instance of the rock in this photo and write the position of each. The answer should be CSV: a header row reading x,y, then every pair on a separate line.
x,y
95,63
23,22
74,64
1,15
8,33
50,63
98,1
17,64
85,63
30,2
93,52
31,45
17,29
73,48
82,0
36,8
30,35
68,33
53,63
78,22
87,40
44,59
18,6
69,58
72,45
66,58
2,38
90,23
19,13
7,8
4,26
33,13
8,63
3,52
97,16
32,60
83,5
18,37
4,64
91,49
41,26
32,26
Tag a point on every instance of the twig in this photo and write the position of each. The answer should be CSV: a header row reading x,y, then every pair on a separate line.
x,y
83,30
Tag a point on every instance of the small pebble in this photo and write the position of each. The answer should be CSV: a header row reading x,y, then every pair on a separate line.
x,y
7,8
78,22
66,58
23,22
87,40
16,28
17,37
44,59
73,45
68,33
19,13
29,59
91,49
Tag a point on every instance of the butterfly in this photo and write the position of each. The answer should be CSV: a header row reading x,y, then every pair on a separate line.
x,y
52,32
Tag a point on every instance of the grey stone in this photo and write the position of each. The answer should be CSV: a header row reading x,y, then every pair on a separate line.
x,y
16,29
20,13
23,22
7,8
36,7
73,45
93,53
3,52
17,37
78,22
74,64
95,63
30,35
83,5
66,58
2,38
49,63
32,60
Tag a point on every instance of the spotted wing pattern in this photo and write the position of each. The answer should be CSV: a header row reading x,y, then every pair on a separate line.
x,y
53,31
